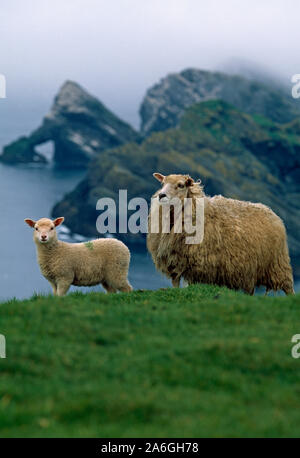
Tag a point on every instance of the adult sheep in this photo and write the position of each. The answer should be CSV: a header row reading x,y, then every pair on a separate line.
x,y
63,264
244,244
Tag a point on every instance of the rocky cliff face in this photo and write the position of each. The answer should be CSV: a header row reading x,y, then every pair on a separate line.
x,y
165,103
80,127
234,154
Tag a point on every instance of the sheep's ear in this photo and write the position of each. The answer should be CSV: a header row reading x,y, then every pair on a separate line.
x,y
30,222
58,221
189,181
159,177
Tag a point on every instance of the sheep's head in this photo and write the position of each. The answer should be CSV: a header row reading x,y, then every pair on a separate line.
x,y
44,229
173,186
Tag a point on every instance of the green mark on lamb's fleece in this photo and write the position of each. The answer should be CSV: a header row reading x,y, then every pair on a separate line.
x,y
89,245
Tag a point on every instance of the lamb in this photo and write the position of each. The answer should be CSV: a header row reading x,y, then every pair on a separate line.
x,y
244,244
104,261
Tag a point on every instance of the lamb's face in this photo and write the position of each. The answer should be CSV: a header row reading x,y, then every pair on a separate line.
x,y
173,186
44,229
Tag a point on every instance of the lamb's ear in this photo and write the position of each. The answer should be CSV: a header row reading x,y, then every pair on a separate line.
x,y
159,177
189,182
58,221
30,222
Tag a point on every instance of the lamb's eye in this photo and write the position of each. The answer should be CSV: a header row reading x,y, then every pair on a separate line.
x,y
36,229
180,185
51,228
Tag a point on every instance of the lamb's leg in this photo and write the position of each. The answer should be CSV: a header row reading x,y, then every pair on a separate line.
x,y
54,288
109,288
63,287
126,288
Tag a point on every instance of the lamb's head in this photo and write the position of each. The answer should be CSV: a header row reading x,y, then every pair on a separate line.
x,y
174,186
44,229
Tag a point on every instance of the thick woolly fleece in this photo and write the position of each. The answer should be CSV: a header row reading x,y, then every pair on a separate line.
x,y
244,246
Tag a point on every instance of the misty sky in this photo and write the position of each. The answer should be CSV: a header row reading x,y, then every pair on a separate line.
x,y
118,48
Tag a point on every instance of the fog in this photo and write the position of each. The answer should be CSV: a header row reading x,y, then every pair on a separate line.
x,y
117,49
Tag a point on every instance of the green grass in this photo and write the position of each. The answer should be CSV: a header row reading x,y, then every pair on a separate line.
x,y
199,361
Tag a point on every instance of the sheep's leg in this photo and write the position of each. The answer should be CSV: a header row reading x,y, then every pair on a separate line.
x,y
63,287
288,289
175,280
250,291
288,286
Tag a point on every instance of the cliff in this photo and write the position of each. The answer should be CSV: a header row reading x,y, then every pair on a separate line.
x,y
80,127
166,102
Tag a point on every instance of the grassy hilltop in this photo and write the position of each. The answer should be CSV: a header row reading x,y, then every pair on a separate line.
x,y
199,361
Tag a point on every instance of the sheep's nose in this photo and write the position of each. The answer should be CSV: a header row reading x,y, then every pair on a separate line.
x,y
162,195
44,237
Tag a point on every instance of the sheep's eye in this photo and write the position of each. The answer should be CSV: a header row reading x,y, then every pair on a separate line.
x,y
51,228
180,185
36,229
